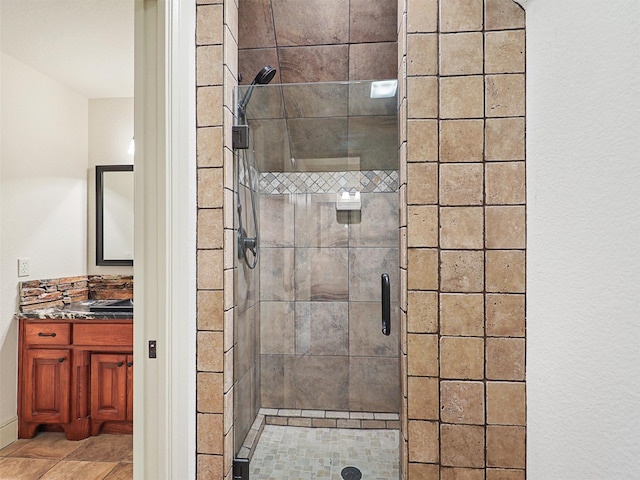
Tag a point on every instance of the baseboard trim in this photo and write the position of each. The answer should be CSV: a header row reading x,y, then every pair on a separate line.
x,y
8,432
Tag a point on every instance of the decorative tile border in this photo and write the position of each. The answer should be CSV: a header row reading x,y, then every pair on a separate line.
x,y
371,181
317,419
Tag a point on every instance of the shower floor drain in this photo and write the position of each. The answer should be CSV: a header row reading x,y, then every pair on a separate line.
x,y
351,473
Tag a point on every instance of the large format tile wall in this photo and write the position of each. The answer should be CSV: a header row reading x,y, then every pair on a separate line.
x,y
320,339
463,182
318,40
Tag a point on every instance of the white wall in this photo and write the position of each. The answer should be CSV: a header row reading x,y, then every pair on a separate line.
x,y
110,133
583,292
43,194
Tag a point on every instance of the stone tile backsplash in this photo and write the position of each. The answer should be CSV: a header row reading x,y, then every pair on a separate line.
x,y
58,292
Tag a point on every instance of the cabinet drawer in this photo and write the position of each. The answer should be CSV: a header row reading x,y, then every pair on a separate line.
x,y
47,333
115,334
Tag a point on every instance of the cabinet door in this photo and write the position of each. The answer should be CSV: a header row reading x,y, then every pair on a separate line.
x,y
108,386
130,388
46,384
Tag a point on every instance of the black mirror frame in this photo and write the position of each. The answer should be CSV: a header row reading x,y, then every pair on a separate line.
x,y
100,170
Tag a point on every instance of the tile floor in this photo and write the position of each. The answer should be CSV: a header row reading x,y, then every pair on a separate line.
x,y
293,453
50,456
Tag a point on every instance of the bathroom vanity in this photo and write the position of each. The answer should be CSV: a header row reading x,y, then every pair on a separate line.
x,y
75,372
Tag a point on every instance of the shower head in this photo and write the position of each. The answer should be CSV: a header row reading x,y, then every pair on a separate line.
x,y
263,77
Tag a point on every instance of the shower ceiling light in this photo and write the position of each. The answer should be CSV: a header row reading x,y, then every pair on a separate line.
x,y
384,89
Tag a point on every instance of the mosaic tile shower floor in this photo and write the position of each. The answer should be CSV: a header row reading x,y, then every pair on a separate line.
x,y
300,453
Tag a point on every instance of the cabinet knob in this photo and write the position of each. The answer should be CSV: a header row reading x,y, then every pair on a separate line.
x,y
61,359
129,364
120,364
40,334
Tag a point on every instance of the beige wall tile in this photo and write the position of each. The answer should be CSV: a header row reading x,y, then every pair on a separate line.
x,y
505,271
462,402
452,473
460,15
422,140
209,65
422,16
209,392
370,61
422,225
422,95
462,314
423,471
422,316
461,140
423,269
209,466
461,358
505,95
210,352
210,310
504,138
209,106
423,400
209,266
504,52
209,25
422,359
461,184
503,474
462,445
505,315
403,245
422,54
462,271
461,97
506,403
209,147
209,433
422,183
461,227
505,358
506,447
502,15
506,227
210,187
228,410
210,228
505,183
461,54
423,441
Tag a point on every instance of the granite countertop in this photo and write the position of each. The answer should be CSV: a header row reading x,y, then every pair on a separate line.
x,y
82,310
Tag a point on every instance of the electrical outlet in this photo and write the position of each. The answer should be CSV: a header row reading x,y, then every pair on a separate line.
x,y
23,267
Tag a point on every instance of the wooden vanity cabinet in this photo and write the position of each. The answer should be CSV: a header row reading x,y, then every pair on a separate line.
x,y
111,389
75,375
47,376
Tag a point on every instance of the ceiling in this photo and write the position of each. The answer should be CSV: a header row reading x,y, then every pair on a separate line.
x,y
86,45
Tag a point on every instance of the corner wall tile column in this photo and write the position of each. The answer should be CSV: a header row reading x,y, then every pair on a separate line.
x,y
216,76
462,177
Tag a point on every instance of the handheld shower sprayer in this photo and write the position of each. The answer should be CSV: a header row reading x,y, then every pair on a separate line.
x,y
263,77
248,244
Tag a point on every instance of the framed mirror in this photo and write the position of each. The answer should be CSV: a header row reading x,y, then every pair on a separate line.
x,y
114,214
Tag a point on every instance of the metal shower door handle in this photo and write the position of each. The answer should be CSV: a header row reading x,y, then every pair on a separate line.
x,y
386,304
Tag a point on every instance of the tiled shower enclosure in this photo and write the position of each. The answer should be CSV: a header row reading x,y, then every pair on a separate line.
x,y
308,317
